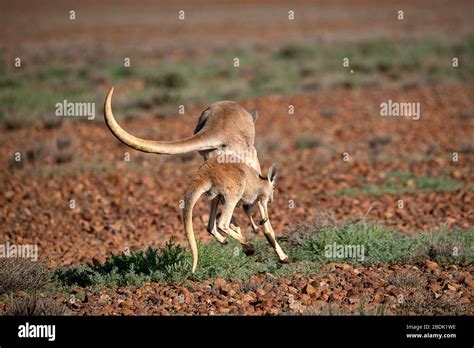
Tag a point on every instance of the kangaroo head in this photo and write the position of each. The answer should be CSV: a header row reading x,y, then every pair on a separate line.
x,y
269,184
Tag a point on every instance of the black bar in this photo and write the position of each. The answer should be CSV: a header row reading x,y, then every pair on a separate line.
x,y
288,330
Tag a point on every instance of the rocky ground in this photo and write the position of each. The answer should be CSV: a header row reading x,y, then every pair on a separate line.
x,y
133,204
80,195
120,204
342,289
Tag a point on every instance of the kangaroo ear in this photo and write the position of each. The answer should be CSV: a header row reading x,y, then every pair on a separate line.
x,y
272,173
254,113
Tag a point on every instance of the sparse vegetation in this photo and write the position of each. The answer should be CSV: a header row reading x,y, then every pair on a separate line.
x,y
308,142
20,274
380,244
69,186
397,183
172,264
35,306
408,280
33,92
452,247
126,269
422,302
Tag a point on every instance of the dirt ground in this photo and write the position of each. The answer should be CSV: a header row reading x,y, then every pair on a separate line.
x,y
119,204
137,203
116,25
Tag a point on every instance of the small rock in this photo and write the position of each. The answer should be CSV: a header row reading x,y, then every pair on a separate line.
x,y
266,304
103,299
219,283
226,288
247,298
452,287
126,304
224,310
309,289
431,265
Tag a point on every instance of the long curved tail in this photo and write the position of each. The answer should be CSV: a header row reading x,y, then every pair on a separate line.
x,y
190,200
199,142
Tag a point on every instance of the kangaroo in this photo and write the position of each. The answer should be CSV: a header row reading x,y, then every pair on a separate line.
x,y
234,183
224,127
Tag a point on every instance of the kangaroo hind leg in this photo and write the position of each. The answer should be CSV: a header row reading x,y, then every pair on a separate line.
x,y
211,226
224,221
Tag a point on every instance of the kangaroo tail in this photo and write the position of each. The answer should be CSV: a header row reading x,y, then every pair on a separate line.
x,y
191,197
199,142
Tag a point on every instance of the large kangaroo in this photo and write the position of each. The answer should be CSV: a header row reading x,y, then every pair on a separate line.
x,y
233,183
224,127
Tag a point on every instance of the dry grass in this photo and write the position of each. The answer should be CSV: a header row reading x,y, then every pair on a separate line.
x,y
408,280
422,302
22,274
322,220
36,306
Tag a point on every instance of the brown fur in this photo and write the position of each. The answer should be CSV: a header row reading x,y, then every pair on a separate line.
x,y
233,183
224,127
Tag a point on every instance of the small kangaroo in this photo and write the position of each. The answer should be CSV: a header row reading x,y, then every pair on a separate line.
x,y
234,183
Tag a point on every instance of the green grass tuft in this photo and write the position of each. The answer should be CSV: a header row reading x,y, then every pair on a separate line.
x,y
128,269
380,245
397,183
